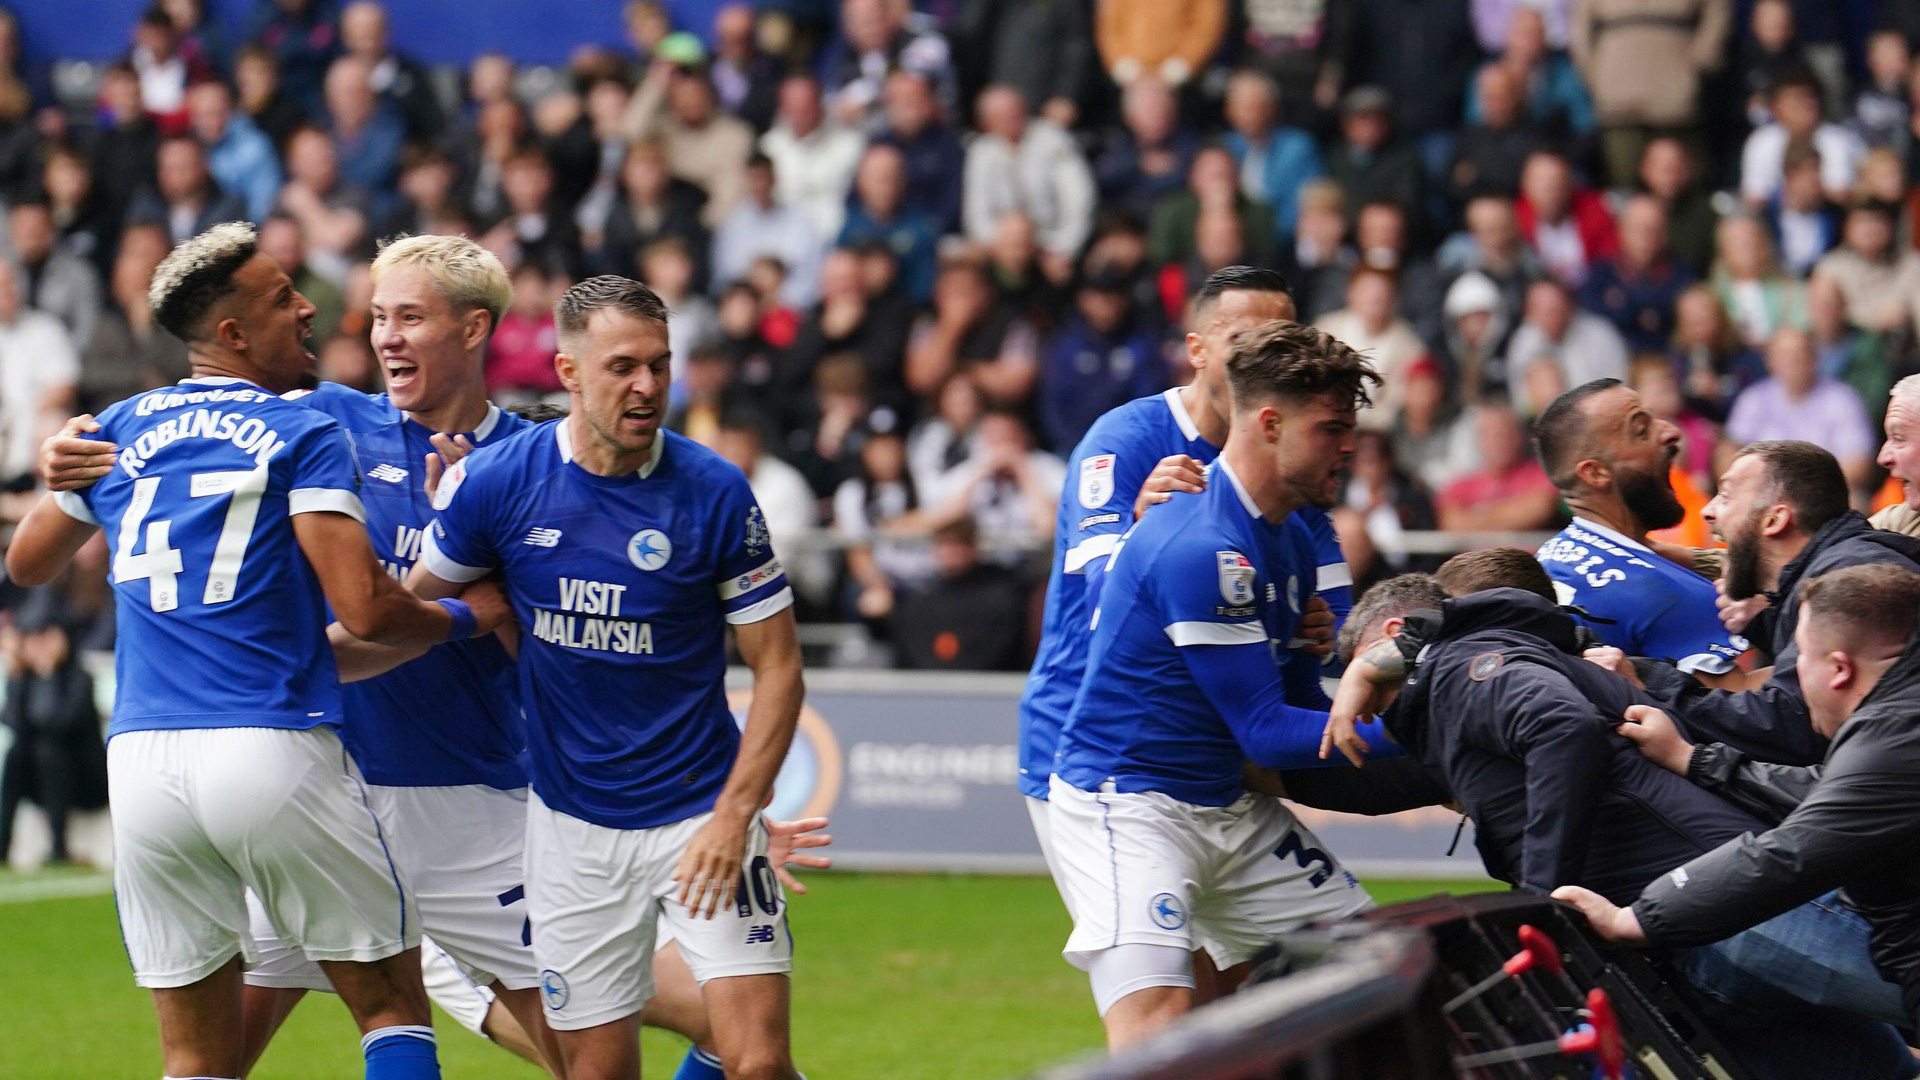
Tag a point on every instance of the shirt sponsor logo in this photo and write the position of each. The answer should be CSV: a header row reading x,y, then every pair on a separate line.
x,y
389,473
545,538
1236,578
1096,480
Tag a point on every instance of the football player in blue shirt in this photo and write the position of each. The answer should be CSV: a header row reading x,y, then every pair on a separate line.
x,y
1611,460
1159,844
626,551
235,523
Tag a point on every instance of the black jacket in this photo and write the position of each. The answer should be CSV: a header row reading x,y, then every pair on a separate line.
x,y
1852,822
1771,723
1522,728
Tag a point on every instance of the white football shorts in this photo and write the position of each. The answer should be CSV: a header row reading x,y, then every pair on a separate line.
x,y
459,848
598,896
202,815
1144,868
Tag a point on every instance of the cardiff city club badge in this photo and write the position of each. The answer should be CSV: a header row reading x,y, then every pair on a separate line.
x,y
1096,480
1236,578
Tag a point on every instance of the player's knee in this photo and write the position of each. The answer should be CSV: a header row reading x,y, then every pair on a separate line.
x,y
1125,970
758,1063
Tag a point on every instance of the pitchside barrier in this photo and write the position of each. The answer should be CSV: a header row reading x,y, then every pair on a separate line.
x,y
1417,992
920,771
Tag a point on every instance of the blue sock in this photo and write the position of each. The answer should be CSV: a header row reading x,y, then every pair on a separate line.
x,y
699,1065
401,1053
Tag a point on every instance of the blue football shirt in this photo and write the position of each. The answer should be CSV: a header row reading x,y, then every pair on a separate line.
x,y
451,717
1643,604
1197,571
623,586
221,620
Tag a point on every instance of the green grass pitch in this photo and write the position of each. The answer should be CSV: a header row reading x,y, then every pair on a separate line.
x,y
905,977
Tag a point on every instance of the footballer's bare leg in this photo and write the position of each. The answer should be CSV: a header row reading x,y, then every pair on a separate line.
x,y
608,1051
382,993
528,1015
265,1009
1145,1013
752,1030
677,1006
200,1024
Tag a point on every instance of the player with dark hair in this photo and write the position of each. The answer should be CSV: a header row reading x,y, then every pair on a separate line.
x,y
1157,842
1611,460
236,523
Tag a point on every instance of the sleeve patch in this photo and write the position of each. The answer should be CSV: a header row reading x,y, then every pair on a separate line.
x,y
1236,578
1096,480
450,483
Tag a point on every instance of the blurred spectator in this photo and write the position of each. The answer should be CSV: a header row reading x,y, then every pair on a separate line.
x,y
1368,163
1318,261
648,25
1493,246
256,81
1708,353
1172,39
871,510
653,205
1430,433
39,371
1032,166
1422,53
1795,104
1667,174
367,132
124,144
1476,335
535,225
57,759
129,352
595,147
1554,100
1275,162
814,159
1371,325
1006,485
480,151
1509,492
1148,157
1636,288
750,357
333,216
1101,358
1042,48
1493,148
942,441
1795,401
705,146
1759,298
705,399
164,72
1388,500
348,360
1304,48
974,332
1882,114
1864,360
520,353
1805,225
1645,62
971,616
283,241
667,268
201,40
845,320
760,226
426,203
1384,237
875,41
1212,184
1878,278
778,487
1568,226
1021,273
240,158
878,214
935,160
53,278
398,79
300,36
1582,346
745,79
184,198
87,227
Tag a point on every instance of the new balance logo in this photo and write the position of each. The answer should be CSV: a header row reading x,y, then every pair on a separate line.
x,y
389,473
760,935
543,538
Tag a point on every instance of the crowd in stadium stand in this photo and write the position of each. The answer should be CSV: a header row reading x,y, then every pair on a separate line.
x,y
912,254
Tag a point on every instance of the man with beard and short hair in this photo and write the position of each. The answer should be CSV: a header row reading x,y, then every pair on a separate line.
x,y
1782,510
1610,458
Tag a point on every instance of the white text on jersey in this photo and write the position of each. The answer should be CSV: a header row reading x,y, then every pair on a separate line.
x,y
250,434
590,598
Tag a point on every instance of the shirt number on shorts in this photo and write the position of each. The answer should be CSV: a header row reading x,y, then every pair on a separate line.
x,y
1306,857
757,877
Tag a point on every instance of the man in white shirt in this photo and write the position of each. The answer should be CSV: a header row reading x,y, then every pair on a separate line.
x,y
1795,101
1029,165
813,159
759,225
38,369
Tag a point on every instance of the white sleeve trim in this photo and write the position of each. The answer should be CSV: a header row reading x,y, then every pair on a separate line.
x,y
1711,663
325,501
1215,633
742,584
1093,547
442,567
1334,575
765,609
74,505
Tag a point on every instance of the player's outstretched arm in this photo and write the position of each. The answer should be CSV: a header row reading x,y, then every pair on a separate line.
x,y
367,601
710,867
359,660
46,541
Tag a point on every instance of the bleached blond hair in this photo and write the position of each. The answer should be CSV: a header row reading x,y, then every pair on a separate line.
x,y
468,275
197,274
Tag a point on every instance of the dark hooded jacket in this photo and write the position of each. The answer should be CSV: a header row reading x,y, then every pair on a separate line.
x,y
1771,723
1852,822
1501,704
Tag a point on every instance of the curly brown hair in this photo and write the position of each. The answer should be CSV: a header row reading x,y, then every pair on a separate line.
x,y
1298,363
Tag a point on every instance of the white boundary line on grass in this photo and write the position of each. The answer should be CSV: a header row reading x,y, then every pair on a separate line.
x,y
55,888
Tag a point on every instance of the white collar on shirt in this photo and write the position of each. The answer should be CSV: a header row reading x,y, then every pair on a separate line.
x,y
1623,541
653,457
1180,414
1239,489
